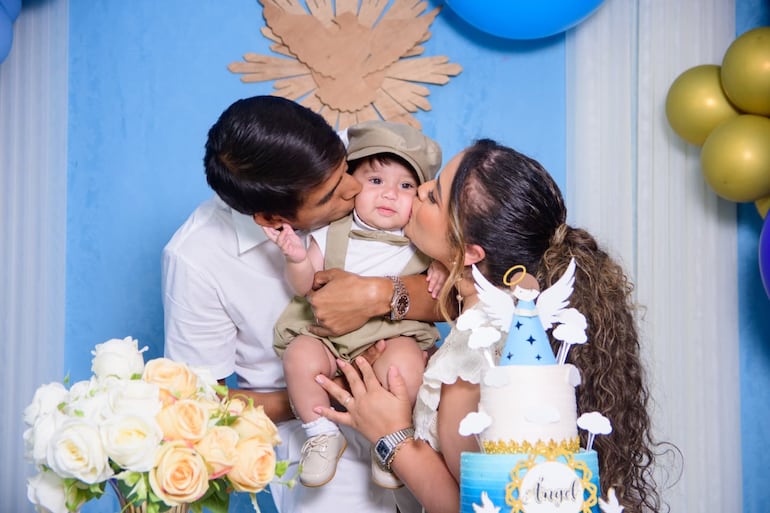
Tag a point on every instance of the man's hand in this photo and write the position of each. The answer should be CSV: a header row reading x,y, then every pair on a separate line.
x,y
343,301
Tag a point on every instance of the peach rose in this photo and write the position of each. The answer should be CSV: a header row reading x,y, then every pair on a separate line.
x,y
218,449
180,474
183,420
253,422
176,380
254,466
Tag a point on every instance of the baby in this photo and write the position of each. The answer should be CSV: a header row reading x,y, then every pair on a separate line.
x,y
390,161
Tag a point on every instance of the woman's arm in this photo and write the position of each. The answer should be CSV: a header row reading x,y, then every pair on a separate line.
x,y
343,301
463,397
376,412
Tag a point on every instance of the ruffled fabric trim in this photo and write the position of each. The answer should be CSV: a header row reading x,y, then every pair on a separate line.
x,y
453,360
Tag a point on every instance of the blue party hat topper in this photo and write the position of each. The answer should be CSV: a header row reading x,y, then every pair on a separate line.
x,y
527,343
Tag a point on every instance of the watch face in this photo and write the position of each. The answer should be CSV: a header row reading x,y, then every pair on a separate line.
x,y
382,450
402,304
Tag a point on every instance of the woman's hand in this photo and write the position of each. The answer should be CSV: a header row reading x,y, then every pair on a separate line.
x,y
372,410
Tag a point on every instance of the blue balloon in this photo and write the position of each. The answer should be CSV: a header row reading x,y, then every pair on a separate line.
x,y
764,254
6,35
12,8
524,19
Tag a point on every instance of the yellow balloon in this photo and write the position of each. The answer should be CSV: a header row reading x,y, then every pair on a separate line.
x,y
735,158
746,72
696,103
763,205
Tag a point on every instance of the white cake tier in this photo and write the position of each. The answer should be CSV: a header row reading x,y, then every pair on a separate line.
x,y
530,404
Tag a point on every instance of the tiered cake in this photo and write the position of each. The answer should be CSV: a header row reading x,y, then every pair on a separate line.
x,y
531,460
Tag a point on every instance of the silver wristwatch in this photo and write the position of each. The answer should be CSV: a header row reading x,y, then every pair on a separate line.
x,y
386,447
399,304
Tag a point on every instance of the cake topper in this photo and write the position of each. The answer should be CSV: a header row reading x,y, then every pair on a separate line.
x,y
526,313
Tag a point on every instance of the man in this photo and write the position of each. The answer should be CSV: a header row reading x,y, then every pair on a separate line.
x,y
271,161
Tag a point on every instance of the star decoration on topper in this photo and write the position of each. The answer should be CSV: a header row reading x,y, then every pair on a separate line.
x,y
350,63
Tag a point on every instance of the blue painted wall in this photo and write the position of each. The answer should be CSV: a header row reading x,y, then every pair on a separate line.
x,y
754,308
147,80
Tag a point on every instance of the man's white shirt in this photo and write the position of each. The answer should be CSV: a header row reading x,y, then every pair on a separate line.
x,y
223,289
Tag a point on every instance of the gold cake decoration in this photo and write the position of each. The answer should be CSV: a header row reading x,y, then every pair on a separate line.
x,y
550,450
525,465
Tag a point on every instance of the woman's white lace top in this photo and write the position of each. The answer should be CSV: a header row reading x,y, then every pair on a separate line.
x,y
454,359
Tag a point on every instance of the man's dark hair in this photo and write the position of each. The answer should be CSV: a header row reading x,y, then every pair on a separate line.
x,y
265,153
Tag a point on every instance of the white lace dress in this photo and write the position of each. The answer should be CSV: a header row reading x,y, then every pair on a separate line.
x,y
453,360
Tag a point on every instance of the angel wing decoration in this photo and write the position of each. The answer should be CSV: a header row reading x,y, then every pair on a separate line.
x,y
527,313
553,300
495,302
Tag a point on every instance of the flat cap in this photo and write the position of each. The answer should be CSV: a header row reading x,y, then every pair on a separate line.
x,y
373,137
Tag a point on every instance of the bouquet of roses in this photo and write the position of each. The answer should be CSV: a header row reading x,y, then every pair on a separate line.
x,y
161,433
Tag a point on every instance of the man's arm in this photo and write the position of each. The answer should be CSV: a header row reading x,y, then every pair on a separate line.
x,y
276,404
343,301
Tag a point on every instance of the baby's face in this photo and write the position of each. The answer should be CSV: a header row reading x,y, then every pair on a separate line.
x,y
385,200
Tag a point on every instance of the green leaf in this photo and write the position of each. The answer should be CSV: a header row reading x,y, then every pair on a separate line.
x,y
281,467
216,498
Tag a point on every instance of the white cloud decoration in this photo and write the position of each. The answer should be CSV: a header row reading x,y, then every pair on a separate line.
x,y
474,423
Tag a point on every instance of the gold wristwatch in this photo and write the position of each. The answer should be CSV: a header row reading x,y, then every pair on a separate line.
x,y
399,304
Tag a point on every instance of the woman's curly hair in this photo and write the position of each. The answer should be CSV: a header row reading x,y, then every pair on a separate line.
x,y
613,381
508,204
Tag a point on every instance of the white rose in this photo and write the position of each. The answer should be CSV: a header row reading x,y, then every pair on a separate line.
x,y
206,383
118,357
132,441
46,492
46,399
38,437
134,396
76,451
88,400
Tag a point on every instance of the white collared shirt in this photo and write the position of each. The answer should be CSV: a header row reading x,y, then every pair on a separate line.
x,y
223,289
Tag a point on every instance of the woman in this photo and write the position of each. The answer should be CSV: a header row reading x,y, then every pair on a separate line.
x,y
494,207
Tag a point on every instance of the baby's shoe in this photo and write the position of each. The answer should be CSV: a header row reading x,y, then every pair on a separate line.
x,y
384,477
318,461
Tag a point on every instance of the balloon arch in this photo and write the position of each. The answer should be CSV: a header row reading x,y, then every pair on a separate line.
x,y
725,109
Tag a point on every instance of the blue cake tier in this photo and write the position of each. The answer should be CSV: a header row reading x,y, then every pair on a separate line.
x,y
504,478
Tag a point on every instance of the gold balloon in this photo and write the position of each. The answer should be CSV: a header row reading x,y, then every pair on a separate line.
x,y
735,158
763,205
696,103
746,72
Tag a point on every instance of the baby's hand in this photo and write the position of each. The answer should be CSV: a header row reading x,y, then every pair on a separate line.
x,y
437,275
289,242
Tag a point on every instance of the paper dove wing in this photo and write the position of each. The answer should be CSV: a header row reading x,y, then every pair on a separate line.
x,y
555,298
496,303
611,505
487,506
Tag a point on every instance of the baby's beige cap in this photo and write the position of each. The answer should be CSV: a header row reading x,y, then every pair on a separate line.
x,y
372,137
